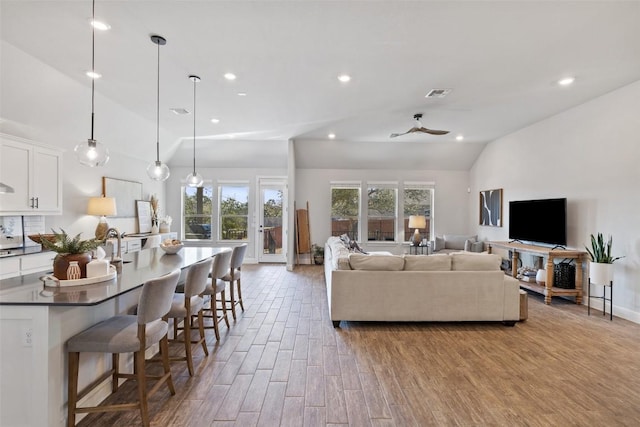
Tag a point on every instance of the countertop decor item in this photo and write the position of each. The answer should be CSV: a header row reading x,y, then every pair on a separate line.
x,y
194,179
92,153
157,170
171,247
69,250
417,222
39,237
102,206
601,261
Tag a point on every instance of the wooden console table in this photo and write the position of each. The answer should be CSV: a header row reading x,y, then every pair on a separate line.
x,y
548,289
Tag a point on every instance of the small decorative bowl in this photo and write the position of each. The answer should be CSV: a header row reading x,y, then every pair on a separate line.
x,y
171,249
38,238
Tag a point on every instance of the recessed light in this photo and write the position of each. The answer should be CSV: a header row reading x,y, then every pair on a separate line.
x,y
215,120
344,78
332,136
242,93
230,76
99,25
459,137
566,81
93,74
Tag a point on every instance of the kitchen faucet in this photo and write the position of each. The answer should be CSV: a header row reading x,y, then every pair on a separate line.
x,y
117,261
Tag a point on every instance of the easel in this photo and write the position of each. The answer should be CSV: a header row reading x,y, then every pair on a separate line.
x,y
303,233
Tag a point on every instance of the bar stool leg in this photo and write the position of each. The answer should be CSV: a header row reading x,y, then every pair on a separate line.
x,y
115,365
72,392
142,387
240,295
233,299
224,308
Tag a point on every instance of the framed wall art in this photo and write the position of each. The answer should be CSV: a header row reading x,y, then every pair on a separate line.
x,y
491,207
125,192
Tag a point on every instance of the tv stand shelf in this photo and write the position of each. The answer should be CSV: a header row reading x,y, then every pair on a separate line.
x,y
548,290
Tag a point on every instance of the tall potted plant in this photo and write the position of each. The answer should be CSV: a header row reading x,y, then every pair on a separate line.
x,y
601,265
71,252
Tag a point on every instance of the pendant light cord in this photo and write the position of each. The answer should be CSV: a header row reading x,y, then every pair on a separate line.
x,y
93,62
158,110
195,79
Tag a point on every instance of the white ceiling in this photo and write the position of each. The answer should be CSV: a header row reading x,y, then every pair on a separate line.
x,y
501,59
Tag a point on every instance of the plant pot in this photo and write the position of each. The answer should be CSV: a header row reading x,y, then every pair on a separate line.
x,y
600,274
62,261
318,259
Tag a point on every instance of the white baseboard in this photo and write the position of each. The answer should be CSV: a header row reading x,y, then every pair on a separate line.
x,y
625,313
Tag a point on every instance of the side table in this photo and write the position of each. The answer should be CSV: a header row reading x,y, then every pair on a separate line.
x,y
419,250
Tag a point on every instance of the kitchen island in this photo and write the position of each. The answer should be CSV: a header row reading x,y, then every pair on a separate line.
x,y
36,321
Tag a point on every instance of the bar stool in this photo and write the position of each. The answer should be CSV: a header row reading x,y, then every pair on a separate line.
x,y
217,286
126,334
233,276
188,304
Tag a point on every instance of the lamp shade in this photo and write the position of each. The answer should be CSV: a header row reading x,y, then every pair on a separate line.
x,y
102,206
417,221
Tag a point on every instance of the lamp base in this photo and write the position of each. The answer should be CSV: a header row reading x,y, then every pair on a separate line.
x,y
101,229
416,239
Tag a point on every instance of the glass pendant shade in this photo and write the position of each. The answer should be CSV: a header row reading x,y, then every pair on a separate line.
x,y
158,171
194,180
92,153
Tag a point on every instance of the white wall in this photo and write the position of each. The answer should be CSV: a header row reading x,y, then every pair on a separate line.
x,y
588,154
450,205
39,103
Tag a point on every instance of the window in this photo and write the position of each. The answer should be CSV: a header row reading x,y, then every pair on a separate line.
x,y
345,210
234,212
418,200
197,208
382,203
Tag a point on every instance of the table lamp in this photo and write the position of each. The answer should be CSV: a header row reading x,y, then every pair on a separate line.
x,y
417,222
102,206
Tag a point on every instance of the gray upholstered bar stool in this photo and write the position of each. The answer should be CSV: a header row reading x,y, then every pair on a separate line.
x,y
217,286
233,277
126,334
189,304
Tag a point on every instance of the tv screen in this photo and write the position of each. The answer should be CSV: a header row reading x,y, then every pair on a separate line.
x,y
539,221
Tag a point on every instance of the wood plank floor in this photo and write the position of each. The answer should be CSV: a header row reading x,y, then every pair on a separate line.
x,y
283,364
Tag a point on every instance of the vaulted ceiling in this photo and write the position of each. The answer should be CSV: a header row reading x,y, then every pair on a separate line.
x,y
501,60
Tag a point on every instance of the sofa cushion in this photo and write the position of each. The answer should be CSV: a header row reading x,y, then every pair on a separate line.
x,y
456,241
438,262
469,261
376,263
470,245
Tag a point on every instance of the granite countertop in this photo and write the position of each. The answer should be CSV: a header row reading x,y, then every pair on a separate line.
x,y
138,267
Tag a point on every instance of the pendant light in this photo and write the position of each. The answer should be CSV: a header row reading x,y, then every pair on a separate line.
x,y
92,153
194,179
158,170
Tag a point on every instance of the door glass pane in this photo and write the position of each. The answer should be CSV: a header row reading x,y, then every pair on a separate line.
x,y
272,221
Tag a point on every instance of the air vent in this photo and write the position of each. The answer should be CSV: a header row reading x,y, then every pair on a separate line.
x,y
180,111
437,93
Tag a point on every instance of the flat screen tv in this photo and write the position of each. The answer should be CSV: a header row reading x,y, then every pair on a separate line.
x,y
539,221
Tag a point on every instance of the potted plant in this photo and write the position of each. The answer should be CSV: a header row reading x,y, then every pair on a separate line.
x,y
601,264
73,254
318,254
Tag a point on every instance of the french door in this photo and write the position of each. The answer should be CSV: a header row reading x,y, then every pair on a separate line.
x,y
271,231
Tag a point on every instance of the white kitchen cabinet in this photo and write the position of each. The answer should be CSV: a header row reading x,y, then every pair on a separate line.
x,y
35,173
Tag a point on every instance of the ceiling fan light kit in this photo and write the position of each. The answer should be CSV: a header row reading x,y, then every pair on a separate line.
x,y
92,153
194,179
157,170
419,128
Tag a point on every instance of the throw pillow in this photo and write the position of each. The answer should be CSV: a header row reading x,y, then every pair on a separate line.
x,y
346,240
468,245
439,244
355,248
477,247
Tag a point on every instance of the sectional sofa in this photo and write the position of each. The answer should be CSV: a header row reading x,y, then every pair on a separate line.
x,y
460,286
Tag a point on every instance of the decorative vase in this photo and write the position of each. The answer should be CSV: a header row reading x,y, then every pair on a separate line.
x,y
62,262
600,274
154,229
164,228
73,272
541,276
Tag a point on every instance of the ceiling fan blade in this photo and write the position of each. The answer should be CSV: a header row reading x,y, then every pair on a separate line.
x,y
432,131
393,135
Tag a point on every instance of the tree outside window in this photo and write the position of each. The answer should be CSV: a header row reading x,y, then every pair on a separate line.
x,y
381,214
345,211
234,212
417,201
197,211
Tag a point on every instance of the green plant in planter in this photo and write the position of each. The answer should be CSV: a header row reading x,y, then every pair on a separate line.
x,y
318,253
70,250
600,251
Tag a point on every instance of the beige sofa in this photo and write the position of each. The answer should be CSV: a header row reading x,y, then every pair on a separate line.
x,y
446,287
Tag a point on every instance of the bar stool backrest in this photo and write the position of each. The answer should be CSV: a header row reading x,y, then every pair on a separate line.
x,y
156,297
237,256
196,280
220,265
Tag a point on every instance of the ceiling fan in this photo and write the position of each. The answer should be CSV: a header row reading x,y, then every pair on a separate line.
x,y
418,128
